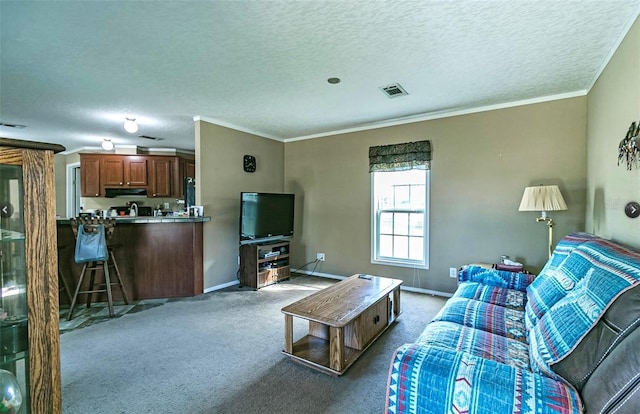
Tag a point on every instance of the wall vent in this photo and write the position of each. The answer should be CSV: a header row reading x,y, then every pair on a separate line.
x,y
394,90
151,138
5,124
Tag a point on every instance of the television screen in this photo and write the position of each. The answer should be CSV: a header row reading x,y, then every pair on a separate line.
x,y
266,216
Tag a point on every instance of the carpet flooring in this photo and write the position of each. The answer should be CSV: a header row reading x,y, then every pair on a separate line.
x,y
221,353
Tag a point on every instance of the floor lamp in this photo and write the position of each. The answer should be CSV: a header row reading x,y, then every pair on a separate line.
x,y
543,198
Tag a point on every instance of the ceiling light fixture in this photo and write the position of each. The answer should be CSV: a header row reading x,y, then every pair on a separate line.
x,y
107,144
130,125
333,81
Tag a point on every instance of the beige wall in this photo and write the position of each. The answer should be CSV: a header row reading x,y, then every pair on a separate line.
x,y
481,164
613,103
219,181
60,180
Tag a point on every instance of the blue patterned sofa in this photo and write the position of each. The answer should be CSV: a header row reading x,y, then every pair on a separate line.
x,y
562,342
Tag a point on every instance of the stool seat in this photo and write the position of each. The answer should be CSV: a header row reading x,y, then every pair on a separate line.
x,y
90,225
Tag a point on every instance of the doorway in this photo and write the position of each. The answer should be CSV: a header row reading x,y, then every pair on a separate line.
x,y
73,189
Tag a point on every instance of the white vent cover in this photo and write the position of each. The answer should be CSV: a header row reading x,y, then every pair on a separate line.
x,y
4,124
151,138
394,90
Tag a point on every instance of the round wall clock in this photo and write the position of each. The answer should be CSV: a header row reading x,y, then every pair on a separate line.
x,y
632,209
249,163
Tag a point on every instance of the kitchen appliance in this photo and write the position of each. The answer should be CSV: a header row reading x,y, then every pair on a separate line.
x,y
125,192
189,192
145,211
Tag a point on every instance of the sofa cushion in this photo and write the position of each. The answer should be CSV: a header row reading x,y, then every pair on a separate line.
x,y
619,321
609,270
509,298
476,342
494,277
429,379
484,316
552,284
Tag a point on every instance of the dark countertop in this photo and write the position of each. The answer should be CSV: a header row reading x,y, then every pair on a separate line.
x,y
147,220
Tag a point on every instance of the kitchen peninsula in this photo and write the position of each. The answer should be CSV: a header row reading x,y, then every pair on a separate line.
x,y
158,257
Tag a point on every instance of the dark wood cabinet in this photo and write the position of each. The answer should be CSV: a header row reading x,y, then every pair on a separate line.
x,y
90,175
123,171
264,264
161,169
162,176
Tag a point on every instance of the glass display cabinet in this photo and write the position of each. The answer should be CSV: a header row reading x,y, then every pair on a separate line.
x,y
29,335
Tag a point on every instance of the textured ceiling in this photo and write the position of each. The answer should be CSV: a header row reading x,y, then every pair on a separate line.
x,y
71,71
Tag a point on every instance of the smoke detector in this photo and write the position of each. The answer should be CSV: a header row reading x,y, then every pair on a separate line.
x,y
394,90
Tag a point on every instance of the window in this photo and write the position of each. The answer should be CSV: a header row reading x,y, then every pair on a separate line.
x,y
400,202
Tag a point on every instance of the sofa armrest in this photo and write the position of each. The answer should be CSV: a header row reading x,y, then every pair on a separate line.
x,y
426,378
494,277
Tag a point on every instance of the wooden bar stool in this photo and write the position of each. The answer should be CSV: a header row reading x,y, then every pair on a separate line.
x,y
90,224
62,280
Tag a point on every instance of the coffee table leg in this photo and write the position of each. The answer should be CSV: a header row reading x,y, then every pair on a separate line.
x,y
336,348
288,334
396,302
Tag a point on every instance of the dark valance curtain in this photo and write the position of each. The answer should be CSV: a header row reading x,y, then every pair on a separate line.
x,y
396,157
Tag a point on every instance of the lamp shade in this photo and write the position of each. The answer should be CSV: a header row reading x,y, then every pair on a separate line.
x,y
542,198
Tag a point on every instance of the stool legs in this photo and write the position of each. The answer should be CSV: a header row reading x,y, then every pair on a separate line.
x,y
62,283
119,279
93,267
75,295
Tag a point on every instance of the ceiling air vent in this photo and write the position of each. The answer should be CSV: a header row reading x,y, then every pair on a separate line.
x,y
151,138
4,124
394,91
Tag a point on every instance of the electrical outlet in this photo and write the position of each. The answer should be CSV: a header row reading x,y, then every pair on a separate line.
x,y
166,206
453,272
238,259
320,256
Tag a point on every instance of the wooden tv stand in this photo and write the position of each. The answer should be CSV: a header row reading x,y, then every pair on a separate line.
x,y
265,263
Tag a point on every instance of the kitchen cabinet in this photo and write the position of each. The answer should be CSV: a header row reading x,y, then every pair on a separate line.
x,y
123,171
161,169
90,175
162,176
29,336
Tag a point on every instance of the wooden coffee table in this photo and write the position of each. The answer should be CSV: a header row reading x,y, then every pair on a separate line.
x,y
344,320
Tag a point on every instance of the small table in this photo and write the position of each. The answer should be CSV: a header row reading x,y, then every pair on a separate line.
x,y
344,320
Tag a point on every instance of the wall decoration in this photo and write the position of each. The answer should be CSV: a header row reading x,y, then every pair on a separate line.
x,y
628,149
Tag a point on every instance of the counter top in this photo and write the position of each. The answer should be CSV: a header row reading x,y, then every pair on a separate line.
x,y
147,220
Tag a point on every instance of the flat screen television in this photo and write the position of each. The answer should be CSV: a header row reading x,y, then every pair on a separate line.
x,y
265,216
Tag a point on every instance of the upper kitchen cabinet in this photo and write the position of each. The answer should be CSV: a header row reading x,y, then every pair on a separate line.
x,y
160,175
123,171
90,175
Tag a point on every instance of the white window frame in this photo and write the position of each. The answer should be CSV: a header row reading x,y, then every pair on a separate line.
x,y
375,235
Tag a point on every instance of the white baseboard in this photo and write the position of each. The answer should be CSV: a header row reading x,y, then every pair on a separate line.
x,y
407,288
222,286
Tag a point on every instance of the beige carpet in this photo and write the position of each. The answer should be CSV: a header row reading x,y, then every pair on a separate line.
x,y
221,353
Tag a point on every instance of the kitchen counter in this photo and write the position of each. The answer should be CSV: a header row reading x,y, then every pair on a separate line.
x,y
143,219
158,257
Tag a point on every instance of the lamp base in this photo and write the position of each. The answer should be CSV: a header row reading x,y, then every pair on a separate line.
x,y
549,222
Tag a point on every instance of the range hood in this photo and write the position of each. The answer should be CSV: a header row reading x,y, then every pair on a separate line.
x,y
125,192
